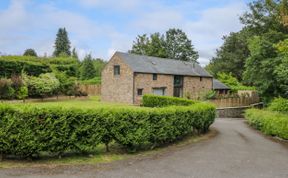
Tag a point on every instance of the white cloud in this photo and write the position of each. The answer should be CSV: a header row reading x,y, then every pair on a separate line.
x,y
111,4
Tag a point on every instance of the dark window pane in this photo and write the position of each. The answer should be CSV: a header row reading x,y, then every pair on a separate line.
x,y
140,92
116,70
154,76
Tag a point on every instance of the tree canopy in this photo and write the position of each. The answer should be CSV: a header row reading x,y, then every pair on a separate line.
x,y
174,44
62,43
30,52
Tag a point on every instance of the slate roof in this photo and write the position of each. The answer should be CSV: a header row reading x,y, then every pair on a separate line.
x,y
147,64
217,85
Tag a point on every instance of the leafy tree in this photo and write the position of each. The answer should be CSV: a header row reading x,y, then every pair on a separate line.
x,y
30,52
154,45
62,43
231,56
87,69
178,46
174,44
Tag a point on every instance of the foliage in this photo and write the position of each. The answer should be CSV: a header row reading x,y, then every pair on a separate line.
x,y
42,86
269,122
210,95
28,130
174,44
6,89
232,82
22,93
30,52
74,54
15,65
93,81
67,84
99,65
162,101
178,46
280,105
87,69
231,56
62,43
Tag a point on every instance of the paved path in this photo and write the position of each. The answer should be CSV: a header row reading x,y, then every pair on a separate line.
x,y
237,151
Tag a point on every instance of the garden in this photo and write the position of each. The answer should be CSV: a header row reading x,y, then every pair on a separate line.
x,y
55,129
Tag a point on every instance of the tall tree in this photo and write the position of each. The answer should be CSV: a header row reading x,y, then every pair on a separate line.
x,y
154,45
62,43
174,44
30,52
231,56
178,46
88,70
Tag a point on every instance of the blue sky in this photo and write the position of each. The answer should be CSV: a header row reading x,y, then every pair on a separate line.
x,y
102,27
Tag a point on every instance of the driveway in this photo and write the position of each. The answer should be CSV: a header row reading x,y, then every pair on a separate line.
x,y
236,151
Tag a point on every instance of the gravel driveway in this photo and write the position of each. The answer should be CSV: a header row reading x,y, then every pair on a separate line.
x,y
237,151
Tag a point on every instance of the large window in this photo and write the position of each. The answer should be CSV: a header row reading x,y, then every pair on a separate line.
x,y
178,86
116,70
159,91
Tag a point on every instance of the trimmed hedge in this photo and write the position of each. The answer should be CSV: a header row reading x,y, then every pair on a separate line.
x,y
163,101
280,105
269,122
28,130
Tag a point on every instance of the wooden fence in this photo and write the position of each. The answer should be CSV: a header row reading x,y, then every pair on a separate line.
x,y
91,90
235,102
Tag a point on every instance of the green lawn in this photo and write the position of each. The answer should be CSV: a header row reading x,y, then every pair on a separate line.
x,y
89,103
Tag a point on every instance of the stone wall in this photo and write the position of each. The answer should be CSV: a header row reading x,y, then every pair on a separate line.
x,y
117,88
194,87
146,82
236,112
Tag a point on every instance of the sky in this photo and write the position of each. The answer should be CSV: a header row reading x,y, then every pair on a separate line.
x,y
101,27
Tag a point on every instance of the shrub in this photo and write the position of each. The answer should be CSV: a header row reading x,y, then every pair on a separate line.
x,y
162,101
29,130
22,93
6,90
42,86
30,52
269,122
280,105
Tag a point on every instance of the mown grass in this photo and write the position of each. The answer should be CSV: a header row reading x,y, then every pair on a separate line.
x,y
87,103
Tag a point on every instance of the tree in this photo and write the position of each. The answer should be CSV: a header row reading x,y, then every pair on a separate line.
x,y
99,64
74,54
154,45
62,43
30,52
174,44
88,70
231,56
178,46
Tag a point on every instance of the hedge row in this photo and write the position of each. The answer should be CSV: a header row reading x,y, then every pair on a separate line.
x,y
269,122
28,130
280,105
163,101
15,65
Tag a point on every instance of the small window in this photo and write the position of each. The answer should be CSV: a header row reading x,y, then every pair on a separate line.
x,y
154,76
201,79
140,91
116,70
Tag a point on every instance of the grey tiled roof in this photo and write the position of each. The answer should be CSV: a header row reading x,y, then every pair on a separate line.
x,y
147,64
219,85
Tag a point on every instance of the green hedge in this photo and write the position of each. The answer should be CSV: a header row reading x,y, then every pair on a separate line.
x,y
35,66
28,130
162,101
280,105
269,122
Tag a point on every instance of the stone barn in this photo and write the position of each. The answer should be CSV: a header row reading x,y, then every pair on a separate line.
x,y
127,77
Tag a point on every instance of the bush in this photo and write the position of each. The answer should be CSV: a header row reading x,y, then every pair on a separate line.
x,y
93,81
42,86
269,122
162,101
29,130
6,89
280,105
